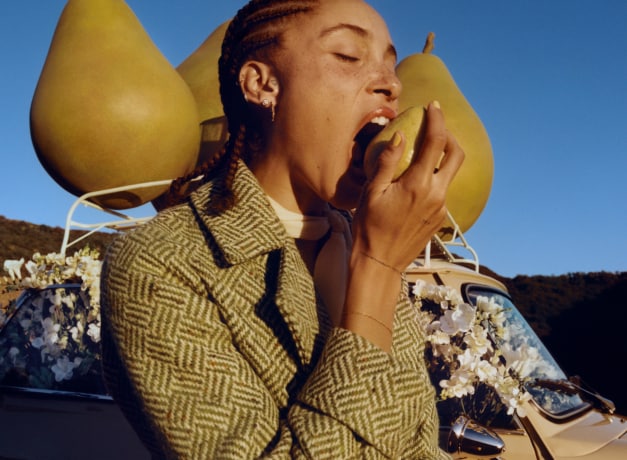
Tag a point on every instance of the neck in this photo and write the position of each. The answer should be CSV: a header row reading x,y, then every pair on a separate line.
x,y
278,182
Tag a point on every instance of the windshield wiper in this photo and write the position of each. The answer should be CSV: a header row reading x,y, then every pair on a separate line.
x,y
574,386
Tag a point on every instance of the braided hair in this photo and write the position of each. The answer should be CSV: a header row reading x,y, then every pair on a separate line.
x,y
254,32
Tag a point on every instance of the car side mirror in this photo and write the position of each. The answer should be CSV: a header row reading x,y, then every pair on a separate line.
x,y
468,437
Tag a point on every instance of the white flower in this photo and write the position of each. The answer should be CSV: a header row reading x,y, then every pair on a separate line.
x,y
37,342
439,337
55,297
51,331
458,320
486,372
93,331
32,267
13,353
14,268
478,341
460,384
77,330
64,368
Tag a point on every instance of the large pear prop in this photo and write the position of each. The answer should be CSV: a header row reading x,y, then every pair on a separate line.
x,y
425,78
200,72
109,110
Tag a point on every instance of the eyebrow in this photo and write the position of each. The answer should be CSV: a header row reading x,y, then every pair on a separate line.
x,y
359,31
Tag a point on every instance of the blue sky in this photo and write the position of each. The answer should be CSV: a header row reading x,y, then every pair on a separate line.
x,y
547,78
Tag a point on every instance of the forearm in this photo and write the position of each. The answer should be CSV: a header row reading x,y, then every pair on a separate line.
x,y
371,297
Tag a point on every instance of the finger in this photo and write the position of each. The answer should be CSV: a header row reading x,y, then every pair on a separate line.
x,y
386,162
433,143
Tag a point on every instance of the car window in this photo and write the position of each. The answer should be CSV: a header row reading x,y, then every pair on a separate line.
x,y
540,364
51,340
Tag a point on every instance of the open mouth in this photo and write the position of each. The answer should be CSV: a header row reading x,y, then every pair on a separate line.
x,y
369,131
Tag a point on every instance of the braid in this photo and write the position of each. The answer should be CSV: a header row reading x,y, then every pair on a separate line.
x,y
222,198
255,31
181,186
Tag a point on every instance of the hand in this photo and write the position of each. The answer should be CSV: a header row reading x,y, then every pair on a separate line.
x,y
396,219
393,223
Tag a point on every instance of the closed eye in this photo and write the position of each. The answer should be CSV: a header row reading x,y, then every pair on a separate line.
x,y
346,58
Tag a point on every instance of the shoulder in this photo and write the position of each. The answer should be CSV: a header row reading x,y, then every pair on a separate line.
x,y
165,241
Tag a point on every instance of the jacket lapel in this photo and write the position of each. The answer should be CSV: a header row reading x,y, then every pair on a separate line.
x,y
252,229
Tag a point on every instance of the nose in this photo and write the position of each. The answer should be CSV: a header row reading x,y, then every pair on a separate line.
x,y
387,83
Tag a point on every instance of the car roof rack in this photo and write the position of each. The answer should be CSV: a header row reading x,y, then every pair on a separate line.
x,y
443,245
120,222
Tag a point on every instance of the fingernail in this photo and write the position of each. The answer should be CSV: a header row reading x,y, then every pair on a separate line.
x,y
396,139
436,104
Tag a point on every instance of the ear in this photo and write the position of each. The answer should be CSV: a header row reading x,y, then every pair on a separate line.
x,y
258,82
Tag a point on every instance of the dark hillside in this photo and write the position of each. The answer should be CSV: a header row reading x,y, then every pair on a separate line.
x,y
22,239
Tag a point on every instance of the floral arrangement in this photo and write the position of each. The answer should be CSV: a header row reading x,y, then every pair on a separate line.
x,y
460,340
57,332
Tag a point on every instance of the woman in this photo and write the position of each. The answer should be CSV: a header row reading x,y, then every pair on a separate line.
x,y
222,337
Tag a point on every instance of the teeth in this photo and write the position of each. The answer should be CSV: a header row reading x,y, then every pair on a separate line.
x,y
381,120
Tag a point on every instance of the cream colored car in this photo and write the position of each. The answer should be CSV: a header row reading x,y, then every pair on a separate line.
x,y
563,420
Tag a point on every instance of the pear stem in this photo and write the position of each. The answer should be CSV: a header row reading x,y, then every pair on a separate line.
x,y
428,48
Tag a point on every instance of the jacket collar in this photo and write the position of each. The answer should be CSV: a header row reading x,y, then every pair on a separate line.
x,y
251,229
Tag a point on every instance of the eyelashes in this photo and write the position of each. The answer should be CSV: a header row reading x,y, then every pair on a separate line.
x,y
345,57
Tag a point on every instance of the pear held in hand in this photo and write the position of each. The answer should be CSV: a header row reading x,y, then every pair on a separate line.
x,y
109,110
410,123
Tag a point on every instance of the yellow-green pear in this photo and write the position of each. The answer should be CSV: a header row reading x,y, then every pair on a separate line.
x,y
410,123
200,71
109,110
425,78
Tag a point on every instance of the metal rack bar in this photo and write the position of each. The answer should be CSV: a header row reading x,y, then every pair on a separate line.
x,y
124,221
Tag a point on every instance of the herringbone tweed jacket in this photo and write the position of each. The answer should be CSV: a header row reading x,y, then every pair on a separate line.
x,y
215,345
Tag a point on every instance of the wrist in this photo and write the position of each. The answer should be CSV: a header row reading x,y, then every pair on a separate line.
x,y
370,327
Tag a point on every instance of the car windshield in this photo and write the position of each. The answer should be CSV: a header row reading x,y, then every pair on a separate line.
x,y
49,340
539,364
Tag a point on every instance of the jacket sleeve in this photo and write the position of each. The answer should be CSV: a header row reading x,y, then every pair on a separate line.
x,y
171,364
384,406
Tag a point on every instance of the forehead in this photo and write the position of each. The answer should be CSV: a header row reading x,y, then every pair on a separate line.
x,y
354,15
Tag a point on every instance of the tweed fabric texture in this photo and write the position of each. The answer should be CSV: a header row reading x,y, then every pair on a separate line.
x,y
215,345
